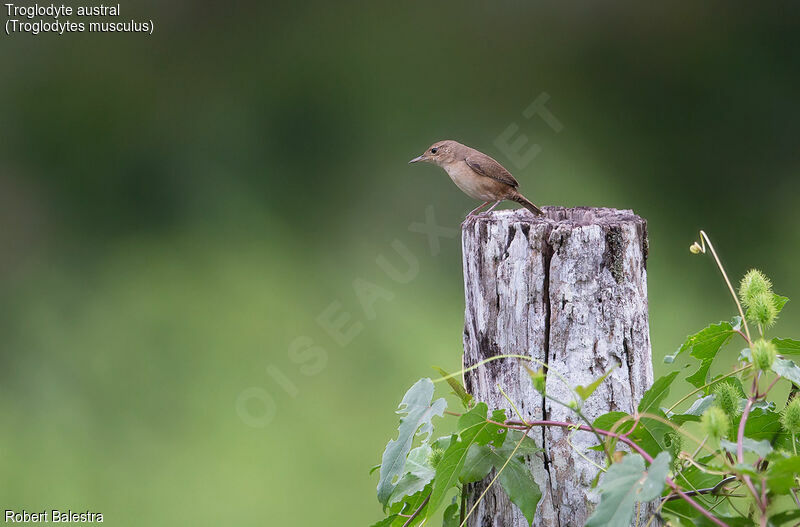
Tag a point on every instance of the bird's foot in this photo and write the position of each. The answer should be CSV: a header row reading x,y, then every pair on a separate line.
x,y
469,219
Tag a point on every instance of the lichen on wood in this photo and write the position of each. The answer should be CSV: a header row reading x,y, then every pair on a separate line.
x,y
568,289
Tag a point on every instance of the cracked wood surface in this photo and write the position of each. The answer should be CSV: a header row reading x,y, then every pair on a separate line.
x,y
568,289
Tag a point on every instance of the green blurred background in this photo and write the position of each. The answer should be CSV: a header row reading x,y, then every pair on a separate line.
x,y
178,209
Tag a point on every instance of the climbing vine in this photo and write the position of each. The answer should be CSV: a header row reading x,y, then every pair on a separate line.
x,y
724,454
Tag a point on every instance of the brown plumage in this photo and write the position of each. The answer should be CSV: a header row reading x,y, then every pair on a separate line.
x,y
476,174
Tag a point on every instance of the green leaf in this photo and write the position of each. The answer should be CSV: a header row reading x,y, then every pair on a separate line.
x,y
500,432
458,389
787,369
585,391
657,429
705,344
538,379
650,435
451,517
527,447
785,518
782,474
475,429
760,425
385,522
692,478
658,391
418,473
694,412
522,490
408,506
700,377
745,470
607,422
516,478
626,483
730,521
787,346
477,465
418,410
762,448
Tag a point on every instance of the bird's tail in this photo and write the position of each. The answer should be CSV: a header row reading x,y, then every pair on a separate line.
x,y
522,200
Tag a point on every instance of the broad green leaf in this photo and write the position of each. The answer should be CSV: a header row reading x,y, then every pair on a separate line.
x,y
442,443
408,506
694,412
787,369
658,391
385,522
760,425
705,344
516,477
681,419
691,478
787,346
745,470
626,483
450,518
418,410
458,389
477,465
730,521
785,518
782,474
585,391
700,405
762,448
500,433
607,422
650,438
418,473
480,457
700,377
527,447
476,421
418,462
474,429
522,490
657,430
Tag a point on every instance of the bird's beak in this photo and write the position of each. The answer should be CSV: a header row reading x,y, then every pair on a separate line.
x,y
416,159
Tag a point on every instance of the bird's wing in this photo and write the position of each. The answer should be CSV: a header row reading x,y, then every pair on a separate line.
x,y
486,166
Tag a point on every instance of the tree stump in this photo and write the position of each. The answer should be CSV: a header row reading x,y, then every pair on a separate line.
x,y
570,289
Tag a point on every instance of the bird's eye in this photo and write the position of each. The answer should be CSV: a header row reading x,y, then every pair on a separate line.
x,y
434,150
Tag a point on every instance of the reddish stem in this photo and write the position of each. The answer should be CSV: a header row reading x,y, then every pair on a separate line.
x,y
634,446
740,454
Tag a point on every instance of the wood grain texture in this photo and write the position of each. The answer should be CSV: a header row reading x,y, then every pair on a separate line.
x,y
568,288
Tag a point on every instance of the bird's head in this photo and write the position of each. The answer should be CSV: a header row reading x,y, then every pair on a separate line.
x,y
439,153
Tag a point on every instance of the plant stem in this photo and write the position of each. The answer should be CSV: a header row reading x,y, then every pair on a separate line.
x,y
740,453
734,372
497,475
639,450
704,238
416,512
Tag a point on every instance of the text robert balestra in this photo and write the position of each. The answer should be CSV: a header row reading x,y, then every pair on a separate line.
x,y
52,516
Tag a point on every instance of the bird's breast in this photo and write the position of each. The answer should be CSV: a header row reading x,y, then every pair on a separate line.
x,y
472,184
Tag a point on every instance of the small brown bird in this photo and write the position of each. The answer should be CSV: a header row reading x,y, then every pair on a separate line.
x,y
476,174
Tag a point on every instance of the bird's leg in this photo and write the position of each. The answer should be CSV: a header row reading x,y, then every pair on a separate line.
x,y
492,207
473,211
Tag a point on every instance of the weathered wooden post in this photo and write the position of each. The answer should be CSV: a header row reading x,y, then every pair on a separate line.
x,y
569,289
